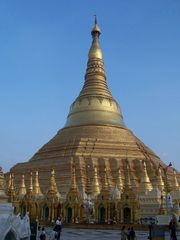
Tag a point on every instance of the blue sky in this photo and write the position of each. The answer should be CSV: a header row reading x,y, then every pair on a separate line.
x,y
43,56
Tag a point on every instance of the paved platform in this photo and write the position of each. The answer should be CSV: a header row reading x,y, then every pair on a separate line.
x,y
95,234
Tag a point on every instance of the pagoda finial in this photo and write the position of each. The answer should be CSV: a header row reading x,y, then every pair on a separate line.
x,y
95,51
95,19
96,30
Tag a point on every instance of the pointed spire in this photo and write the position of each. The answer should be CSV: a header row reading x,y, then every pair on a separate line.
x,y
74,192
145,184
95,19
127,182
176,184
30,189
88,184
95,183
175,188
160,182
3,196
105,185
53,186
95,50
95,104
73,180
37,189
53,190
11,190
119,180
9,182
95,77
22,189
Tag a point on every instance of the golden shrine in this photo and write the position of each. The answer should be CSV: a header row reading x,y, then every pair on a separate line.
x,y
94,169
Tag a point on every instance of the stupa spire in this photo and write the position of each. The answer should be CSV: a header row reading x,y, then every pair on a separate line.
x,y
73,181
176,183
30,189
11,189
95,50
88,184
105,185
95,183
95,104
37,189
119,182
9,181
127,180
145,184
95,19
22,189
53,190
160,182
31,183
95,77
3,196
53,186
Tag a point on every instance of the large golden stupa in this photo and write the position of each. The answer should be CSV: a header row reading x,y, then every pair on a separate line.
x,y
95,168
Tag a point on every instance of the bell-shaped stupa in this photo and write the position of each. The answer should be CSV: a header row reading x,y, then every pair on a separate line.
x,y
95,138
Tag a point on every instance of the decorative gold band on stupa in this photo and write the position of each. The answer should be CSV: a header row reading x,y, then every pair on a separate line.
x,y
95,104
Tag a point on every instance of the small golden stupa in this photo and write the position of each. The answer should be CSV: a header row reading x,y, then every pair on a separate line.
x,y
3,195
95,168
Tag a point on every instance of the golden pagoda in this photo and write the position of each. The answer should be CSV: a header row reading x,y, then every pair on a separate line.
x,y
101,170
